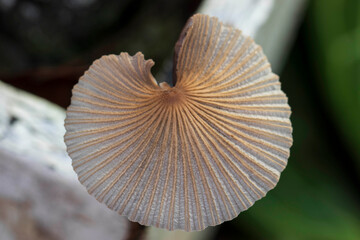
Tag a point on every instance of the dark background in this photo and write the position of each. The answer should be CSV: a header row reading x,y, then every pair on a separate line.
x,y
45,46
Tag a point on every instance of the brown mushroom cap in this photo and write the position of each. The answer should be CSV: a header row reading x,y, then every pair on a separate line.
x,y
183,157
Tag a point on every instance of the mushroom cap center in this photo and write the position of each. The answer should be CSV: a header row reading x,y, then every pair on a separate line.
x,y
171,95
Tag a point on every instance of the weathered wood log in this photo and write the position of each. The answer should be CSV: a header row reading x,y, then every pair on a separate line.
x,y
37,203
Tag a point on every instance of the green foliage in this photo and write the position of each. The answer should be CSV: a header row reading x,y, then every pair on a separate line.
x,y
335,34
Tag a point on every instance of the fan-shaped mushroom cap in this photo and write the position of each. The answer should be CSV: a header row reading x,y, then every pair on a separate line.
x,y
183,157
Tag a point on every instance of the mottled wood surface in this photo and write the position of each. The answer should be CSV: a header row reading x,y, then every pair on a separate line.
x,y
37,203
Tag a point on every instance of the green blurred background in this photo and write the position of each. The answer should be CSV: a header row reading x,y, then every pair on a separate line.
x,y
45,46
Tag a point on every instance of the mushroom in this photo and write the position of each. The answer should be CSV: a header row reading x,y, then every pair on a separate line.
x,y
183,157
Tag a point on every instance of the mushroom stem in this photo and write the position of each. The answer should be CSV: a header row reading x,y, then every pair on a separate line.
x,y
164,85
